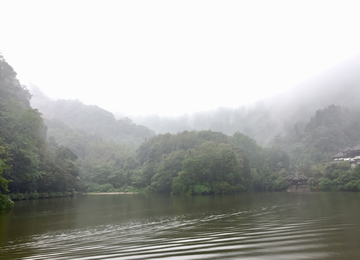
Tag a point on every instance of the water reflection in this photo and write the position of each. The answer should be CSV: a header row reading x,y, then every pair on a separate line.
x,y
245,226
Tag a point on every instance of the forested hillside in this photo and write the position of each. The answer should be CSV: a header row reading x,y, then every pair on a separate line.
x,y
207,162
89,119
330,130
263,120
311,147
83,148
56,158
191,162
27,163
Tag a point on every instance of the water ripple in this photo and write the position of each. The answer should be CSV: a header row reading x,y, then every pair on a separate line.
x,y
248,234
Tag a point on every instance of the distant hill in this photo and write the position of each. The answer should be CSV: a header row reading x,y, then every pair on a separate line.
x,y
263,120
89,119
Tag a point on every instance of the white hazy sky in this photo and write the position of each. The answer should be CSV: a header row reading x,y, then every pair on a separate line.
x,y
174,57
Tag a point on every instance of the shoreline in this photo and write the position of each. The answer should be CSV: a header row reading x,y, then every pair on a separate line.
x,y
110,193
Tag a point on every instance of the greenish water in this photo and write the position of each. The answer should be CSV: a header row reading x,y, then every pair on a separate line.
x,y
244,226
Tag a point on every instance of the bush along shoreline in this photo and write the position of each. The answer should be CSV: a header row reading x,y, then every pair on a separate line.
x,y
41,195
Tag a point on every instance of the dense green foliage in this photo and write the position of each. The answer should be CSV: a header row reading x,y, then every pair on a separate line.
x,y
84,148
269,166
5,201
103,165
107,166
89,119
334,177
192,162
207,162
27,164
212,169
329,131
312,146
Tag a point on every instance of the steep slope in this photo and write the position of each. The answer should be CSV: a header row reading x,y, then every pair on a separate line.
x,y
90,119
25,156
330,130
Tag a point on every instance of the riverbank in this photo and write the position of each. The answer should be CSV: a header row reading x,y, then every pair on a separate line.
x,y
42,195
110,193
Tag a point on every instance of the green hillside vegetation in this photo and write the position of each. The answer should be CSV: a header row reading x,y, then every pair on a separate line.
x,y
89,119
26,162
102,163
312,146
207,162
77,147
328,131
269,117
61,134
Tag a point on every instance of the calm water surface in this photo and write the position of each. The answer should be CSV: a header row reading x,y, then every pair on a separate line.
x,y
245,226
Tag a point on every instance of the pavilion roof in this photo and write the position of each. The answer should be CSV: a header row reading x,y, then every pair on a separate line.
x,y
347,149
356,147
340,154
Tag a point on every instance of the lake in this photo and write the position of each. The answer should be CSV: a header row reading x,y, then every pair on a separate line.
x,y
136,226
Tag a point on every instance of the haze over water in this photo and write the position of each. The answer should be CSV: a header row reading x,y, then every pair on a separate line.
x,y
243,226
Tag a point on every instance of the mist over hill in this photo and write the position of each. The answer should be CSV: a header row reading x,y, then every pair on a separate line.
x,y
264,119
302,128
90,119
285,120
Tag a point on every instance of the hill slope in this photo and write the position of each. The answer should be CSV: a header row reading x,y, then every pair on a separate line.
x,y
263,120
90,119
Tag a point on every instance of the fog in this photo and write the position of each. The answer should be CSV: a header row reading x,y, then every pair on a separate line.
x,y
263,119
114,84
172,59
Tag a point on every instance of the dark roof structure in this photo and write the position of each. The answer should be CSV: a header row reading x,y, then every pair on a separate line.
x,y
347,152
338,155
347,149
356,148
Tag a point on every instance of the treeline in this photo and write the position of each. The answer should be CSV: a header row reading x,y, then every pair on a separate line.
x,y
40,159
206,162
192,162
265,119
330,130
27,163
312,146
83,148
89,119
334,177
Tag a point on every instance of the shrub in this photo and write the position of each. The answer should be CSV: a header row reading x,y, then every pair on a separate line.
x,y
43,195
92,187
325,184
149,189
222,188
26,196
127,188
19,196
201,189
34,195
351,186
61,194
5,202
280,184
13,196
106,187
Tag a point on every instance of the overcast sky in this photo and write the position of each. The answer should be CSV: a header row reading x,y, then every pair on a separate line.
x,y
174,57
